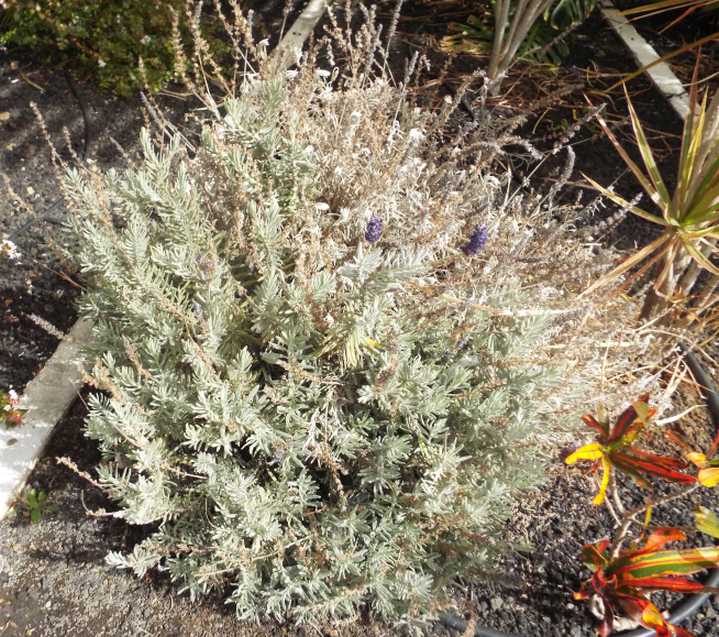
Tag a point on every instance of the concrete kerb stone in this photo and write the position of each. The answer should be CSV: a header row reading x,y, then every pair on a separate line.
x,y
47,398
661,74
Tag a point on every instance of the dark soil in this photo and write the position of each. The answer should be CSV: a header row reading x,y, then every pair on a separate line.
x,y
596,62
24,345
42,282
667,38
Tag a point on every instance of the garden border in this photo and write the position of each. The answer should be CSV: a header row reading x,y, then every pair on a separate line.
x,y
660,73
49,395
47,398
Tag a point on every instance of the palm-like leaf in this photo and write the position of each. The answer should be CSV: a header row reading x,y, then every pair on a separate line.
x,y
566,13
690,215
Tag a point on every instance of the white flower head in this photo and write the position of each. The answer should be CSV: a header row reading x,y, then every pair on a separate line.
x,y
101,63
323,73
321,205
9,249
416,135
12,400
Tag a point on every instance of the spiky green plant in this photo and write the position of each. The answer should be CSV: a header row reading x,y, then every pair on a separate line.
x,y
689,216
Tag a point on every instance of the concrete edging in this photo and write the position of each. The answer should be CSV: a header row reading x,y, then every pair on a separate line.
x,y
644,53
47,397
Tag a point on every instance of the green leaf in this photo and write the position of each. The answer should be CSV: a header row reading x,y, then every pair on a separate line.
x,y
620,201
707,522
648,157
675,562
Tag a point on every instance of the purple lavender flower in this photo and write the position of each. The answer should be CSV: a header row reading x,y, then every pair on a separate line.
x,y
374,229
477,240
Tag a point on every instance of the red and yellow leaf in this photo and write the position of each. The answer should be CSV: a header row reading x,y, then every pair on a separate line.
x,y
659,538
601,428
666,462
591,451
594,555
643,611
676,584
676,562
628,459
606,474
635,416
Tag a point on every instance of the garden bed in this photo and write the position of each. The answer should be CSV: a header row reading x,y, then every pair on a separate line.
x,y
53,578
39,282
53,575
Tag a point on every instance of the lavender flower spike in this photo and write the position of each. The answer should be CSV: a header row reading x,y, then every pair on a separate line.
x,y
374,229
477,240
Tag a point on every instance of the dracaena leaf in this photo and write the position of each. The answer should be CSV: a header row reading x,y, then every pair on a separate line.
x,y
666,462
659,538
667,583
673,562
661,194
655,249
643,611
601,428
699,257
633,464
594,555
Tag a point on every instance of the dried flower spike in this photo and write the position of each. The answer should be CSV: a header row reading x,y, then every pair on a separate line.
x,y
374,229
477,240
